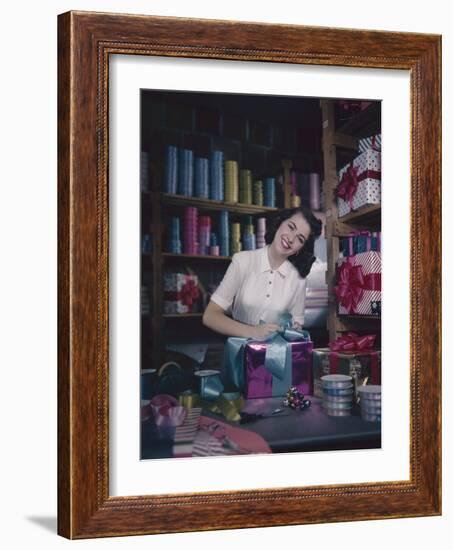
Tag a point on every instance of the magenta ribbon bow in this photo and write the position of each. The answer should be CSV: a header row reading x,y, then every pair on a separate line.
x,y
353,342
350,287
352,283
189,293
347,188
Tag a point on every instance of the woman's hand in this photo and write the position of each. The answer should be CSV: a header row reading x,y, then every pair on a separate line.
x,y
261,332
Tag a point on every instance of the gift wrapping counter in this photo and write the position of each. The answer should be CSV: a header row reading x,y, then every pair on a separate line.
x,y
292,430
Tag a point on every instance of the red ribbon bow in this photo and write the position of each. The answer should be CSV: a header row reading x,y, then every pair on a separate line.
x,y
353,342
347,188
349,290
189,293
352,283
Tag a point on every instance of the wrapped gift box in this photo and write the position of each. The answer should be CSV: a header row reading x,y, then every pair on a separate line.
x,y
363,366
259,382
358,289
359,182
181,292
371,142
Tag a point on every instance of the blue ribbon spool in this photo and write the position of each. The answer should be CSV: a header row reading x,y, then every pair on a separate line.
x,y
211,385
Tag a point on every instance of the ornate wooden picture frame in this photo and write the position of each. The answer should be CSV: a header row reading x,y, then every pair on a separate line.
x,y
85,507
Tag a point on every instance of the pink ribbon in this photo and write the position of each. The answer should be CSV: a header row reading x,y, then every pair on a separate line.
x,y
351,341
347,188
167,411
349,290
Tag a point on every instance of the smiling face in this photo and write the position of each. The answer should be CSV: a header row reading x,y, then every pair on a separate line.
x,y
291,235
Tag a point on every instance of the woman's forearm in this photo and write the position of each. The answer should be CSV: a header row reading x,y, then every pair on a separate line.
x,y
218,321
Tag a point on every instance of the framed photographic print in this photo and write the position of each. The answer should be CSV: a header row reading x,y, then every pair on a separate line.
x,y
249,260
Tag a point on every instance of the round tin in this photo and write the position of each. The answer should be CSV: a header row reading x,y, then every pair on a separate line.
x,y
338,412
342,381
335,405
369,392
371,417
338,391
337,398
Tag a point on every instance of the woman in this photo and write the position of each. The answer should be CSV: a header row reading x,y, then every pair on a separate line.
x,y
262,284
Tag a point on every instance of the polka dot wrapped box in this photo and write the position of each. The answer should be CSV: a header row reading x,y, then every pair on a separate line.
x,y
359,182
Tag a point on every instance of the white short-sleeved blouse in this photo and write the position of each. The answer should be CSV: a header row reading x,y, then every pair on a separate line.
x,y
252,292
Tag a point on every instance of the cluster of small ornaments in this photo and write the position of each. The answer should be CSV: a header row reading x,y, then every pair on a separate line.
x,y
296,400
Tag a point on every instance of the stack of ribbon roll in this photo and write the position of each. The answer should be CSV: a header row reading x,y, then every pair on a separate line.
x,y
201,176
190,239
295,197
204,234
224,233
171,170
147,243
213,245
231,181
245,186
144,171
248,238
315,191
216,180
269,192
370,402
236,238
174,236
145,303
258,193
185,172
338,394
303,187
260,232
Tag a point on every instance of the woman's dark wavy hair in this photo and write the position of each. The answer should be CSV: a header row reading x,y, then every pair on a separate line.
x,y
305,259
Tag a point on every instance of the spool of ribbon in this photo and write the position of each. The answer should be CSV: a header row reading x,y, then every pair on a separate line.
x,y
352,283
351,343
278,358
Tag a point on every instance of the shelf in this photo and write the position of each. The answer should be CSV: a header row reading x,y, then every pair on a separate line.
x,y
364,123
370,215
208,204
171,256
181,315
360,317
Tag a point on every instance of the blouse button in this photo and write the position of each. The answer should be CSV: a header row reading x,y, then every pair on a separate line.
x,y
270,282
272,272
267,295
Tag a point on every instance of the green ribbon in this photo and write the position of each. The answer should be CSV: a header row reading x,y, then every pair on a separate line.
x,y
227,405
277,361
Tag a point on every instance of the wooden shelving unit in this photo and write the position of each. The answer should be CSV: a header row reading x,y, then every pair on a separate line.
x,y
262,139
338,144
